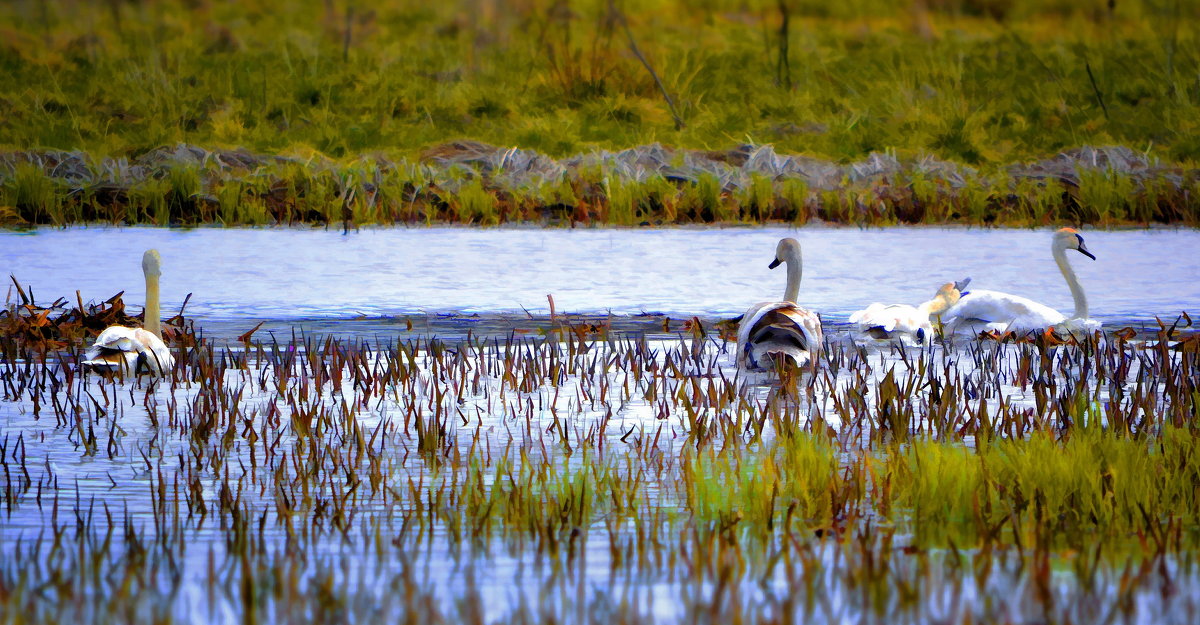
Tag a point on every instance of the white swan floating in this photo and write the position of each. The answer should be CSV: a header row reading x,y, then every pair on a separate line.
x,y
130,351
910,325
983,311
780,329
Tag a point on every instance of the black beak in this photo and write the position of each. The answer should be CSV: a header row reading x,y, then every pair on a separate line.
x,y
962,284
774,264
1083,250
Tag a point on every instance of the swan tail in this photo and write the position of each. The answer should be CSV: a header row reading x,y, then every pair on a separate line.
x,y
111,361
785,331
128,351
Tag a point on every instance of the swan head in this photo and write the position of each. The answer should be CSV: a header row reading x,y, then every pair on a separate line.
x,y
1070,239
947,296
152,263
787,250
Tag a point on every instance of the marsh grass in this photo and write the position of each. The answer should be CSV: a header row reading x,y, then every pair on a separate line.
x,y
867,76
979,463
322,83
29,192
479,184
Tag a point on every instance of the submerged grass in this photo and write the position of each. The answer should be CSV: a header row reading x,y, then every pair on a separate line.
x,y
307,476
980,85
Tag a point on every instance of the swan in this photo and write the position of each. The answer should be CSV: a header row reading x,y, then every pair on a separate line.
x,y
127,351
906,323
981,311
780,329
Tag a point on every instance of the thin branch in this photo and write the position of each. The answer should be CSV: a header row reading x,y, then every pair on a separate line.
x,y
1096,88
638,53
783,70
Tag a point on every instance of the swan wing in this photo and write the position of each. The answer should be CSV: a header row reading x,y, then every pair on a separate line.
x,y
778,328
111,361
157,356
895,321
889,318
871,315
1000,311
119,338
125,350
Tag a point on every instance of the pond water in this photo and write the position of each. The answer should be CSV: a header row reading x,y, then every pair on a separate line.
x,y
233,443
294,274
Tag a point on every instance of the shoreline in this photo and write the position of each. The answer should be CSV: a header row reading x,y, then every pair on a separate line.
x,y
476,184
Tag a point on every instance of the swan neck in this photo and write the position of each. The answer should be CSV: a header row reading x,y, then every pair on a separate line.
x,y
794,271
152,323
1077,294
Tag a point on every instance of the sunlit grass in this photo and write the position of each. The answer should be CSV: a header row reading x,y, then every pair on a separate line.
x,y
400,76
355,96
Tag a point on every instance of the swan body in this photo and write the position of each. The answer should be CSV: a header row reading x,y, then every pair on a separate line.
x,y
982,311
780,329
906,323
129,351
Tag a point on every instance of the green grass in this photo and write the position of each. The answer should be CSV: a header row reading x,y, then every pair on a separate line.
x,y
116,79
340,87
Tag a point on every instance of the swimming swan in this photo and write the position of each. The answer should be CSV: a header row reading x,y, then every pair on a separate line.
x,y
906,323
780,328
127,351
980,311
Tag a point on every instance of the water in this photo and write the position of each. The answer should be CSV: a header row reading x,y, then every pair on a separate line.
x,y
289,274
292,277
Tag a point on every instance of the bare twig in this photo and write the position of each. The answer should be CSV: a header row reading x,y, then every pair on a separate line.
x,y
1096,88
638,53
783,69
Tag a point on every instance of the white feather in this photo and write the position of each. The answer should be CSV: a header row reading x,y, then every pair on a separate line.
x,y
910,325
980,310
898,321
130,351
792,331
994,310
780,328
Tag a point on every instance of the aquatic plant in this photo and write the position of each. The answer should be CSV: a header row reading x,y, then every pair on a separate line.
x,y
893,477
963,97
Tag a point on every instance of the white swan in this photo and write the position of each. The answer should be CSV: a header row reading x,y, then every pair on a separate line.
x,y
129,351
780,329
908,324
979,311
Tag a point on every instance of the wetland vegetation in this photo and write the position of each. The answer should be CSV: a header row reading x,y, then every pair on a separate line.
x,y
593,468
332,112
580,474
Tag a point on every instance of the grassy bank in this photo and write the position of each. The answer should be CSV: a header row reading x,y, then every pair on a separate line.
x,y
971,81
473,183
982,85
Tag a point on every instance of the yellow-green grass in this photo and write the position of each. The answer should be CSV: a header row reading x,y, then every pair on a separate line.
x,y
344,78
648,185
978,83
